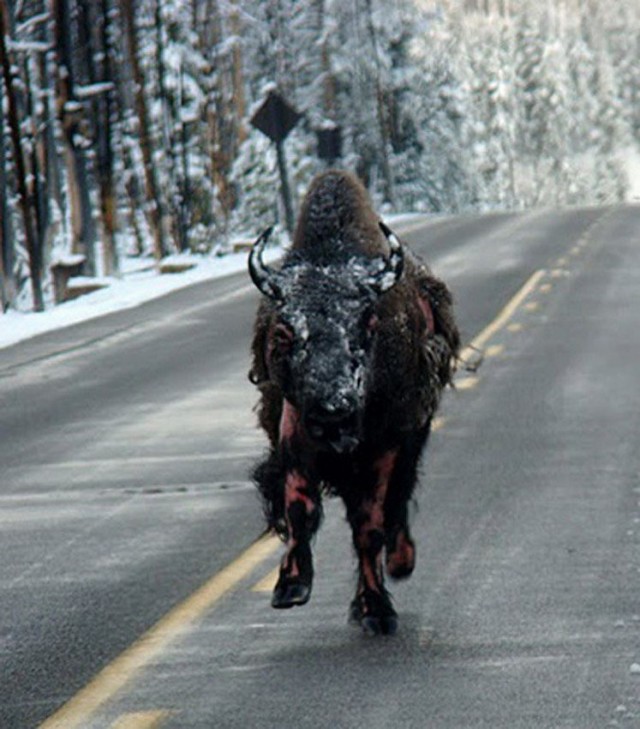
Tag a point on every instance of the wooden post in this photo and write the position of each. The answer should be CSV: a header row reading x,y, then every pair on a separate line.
x,y
284,186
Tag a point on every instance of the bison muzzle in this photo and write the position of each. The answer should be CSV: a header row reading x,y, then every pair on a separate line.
x,y
353,343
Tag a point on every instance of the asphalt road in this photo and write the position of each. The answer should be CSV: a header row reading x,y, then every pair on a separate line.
x,y
124,448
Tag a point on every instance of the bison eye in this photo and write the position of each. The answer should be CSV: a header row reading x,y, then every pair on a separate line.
x,y
282,337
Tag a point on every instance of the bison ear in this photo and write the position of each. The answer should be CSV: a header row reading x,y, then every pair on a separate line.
x,y
264,277
390,274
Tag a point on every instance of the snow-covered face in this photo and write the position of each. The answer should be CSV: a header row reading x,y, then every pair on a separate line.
x,y
320,351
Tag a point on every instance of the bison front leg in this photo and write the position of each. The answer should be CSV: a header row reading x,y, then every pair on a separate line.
x,y
372,607
302,513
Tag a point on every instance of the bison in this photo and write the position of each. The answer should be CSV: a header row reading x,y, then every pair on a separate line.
x,y
353,343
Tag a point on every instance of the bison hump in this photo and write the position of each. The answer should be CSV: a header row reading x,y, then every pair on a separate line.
x,y
337,219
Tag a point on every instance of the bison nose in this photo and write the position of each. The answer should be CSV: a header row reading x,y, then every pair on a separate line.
x,y
335,426
328,414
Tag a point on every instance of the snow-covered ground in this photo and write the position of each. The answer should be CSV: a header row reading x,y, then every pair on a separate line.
x,y
133,289
631,160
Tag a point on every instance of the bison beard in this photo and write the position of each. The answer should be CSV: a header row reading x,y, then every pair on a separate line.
x,y
353,343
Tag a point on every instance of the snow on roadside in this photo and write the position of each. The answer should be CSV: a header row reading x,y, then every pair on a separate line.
x,y
134,288
631,161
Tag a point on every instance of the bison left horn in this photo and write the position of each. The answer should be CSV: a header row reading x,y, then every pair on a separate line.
x,y
394,265
263,277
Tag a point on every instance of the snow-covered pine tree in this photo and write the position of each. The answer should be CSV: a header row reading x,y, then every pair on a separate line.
x,y
431,130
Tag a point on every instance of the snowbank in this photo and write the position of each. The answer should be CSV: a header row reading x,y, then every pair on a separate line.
x,y
134,288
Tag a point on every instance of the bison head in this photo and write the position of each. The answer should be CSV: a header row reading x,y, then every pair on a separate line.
x,y
322,336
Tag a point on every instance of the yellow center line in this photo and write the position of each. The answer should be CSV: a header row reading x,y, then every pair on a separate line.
x,y
466,383
494,350
117,674
503,317
141,720
266,584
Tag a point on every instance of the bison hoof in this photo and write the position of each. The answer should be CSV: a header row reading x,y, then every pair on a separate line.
x,y
379,626
401,556
374,613
290,592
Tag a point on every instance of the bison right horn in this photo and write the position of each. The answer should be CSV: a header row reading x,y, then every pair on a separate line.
x,y
263,277
392,271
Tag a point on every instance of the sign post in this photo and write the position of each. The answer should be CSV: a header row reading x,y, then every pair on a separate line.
x,y
276,118
329,143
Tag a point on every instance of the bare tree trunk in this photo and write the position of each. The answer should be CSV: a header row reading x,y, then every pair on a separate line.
x,y
154,205
7,280
176,201
223,121
49,160
105,152
329,84
69,113
26,204
33,141
383,124
239,102
185,187
97,28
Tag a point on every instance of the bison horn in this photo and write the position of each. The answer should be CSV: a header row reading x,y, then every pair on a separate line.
x,y
394,265
263,277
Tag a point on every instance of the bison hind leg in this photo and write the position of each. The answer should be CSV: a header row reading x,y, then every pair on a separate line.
x,y
401,552
400,547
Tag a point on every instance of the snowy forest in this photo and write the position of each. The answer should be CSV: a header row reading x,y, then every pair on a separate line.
x,y
125,125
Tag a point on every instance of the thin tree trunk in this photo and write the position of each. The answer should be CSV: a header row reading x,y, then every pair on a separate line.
x,y
49,159
104,109
36,183
380,110
7,250
154,205
26,204
222,137
7,280
83,228
176,201
239,102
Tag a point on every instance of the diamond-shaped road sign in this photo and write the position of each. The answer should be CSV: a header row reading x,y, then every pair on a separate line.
x,y
275,117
